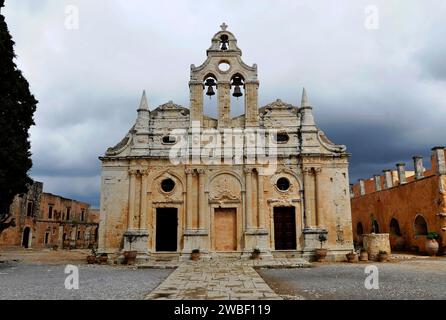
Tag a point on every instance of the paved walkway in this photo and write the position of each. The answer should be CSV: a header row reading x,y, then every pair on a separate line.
x,y
221,280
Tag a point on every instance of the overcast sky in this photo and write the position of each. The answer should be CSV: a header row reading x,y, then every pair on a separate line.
x,y
381,92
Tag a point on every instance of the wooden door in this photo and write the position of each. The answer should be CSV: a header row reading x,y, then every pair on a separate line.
x,y
225,229
166,229
284,228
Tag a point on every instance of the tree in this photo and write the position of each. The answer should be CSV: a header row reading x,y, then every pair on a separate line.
x,y
17,107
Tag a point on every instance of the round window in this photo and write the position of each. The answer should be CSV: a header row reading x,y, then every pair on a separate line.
x,y
283,184
224,66
167,185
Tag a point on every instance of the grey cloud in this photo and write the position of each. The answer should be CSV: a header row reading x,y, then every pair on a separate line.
x,y
375,91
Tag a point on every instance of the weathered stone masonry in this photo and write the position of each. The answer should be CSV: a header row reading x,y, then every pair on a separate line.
x,y
156,207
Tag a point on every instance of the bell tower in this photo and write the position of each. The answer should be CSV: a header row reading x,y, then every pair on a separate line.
x,y
224,71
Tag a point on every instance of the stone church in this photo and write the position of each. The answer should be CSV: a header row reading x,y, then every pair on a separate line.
x,y
182,180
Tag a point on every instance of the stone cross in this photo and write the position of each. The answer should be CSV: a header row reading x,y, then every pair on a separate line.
x,y
224,26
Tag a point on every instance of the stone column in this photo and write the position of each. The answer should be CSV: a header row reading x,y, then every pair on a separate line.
x,y
248,198
189,212
143,215
132,190
401,169
361,187
318,199
260,203
196,101
251,104
303,210
201,199
224,103
309,197
418,167
440,165
388,180
377,179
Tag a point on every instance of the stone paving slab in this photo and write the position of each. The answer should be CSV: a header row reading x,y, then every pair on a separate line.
x,y
219,280
279,263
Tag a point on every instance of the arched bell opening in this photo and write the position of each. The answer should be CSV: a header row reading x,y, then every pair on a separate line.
x,y
224,42
210,99
237,95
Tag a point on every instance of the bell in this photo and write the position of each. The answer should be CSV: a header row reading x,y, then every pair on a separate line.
x,y
210,91
237,92
210,83
237,81
224,46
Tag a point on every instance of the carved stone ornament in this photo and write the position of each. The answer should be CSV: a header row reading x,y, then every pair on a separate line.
x,y
222,191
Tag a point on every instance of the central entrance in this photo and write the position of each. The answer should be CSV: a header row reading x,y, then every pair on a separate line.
x,y
166,229
225,229
284,228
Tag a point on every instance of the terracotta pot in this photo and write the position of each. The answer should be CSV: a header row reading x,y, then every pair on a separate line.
x,y
130,257
103,259
321,254
195,256
431,247
91,259
255,255
383,257
351,257
363,255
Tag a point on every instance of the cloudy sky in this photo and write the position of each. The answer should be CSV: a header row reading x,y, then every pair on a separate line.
x,y
375,72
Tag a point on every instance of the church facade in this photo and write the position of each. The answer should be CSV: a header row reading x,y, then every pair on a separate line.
x,y
268,179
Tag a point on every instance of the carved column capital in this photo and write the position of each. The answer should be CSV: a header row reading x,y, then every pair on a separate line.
x,y
307,170
133,172
189,171
247,170
317,170
201,171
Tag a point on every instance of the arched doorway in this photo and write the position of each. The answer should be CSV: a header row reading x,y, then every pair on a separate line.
x,y
395,227
375,227
359,229
420,226
26,236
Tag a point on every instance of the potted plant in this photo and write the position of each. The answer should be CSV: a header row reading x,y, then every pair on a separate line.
x,y
363,255
432,244
383,256
255,254
130,255
91,258
321,253
103,258
352,256
195,255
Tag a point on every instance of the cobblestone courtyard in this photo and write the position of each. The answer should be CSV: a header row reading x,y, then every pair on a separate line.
x,y
39,275
418,278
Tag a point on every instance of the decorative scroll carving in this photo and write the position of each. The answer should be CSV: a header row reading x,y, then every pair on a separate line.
x,y
223,190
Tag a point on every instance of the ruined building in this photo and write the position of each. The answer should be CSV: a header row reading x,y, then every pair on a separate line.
x,y
183,180
45,220
407,205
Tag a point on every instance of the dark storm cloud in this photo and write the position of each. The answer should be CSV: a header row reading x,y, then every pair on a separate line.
x,y
380,92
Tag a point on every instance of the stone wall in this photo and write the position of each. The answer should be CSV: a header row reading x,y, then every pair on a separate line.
x,y
404,202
